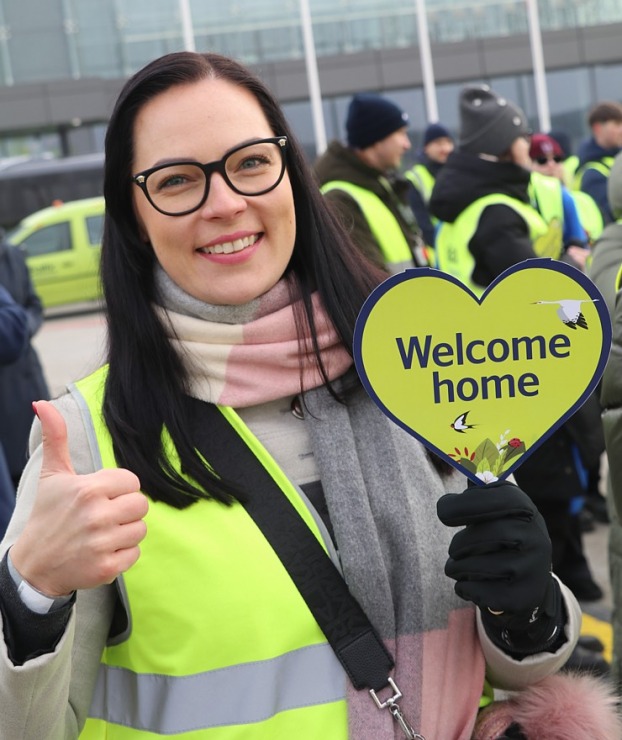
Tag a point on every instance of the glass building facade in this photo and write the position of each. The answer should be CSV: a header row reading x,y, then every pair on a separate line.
x,y
44,41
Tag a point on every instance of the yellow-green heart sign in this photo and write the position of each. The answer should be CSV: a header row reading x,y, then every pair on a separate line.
x,y
482,381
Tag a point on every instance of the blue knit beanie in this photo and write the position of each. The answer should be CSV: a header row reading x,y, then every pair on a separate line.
x,y
435,131
372,118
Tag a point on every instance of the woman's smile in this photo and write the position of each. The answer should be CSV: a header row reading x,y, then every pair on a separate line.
x,y
233,244
234,247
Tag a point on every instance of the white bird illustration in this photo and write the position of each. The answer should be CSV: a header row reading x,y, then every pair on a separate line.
x,y
460,425
569,311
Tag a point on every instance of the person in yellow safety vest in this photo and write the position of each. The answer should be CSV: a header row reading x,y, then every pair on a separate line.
x,y
437,145
596,154
589,212
362,181
570,161
138,598
481,195
555,202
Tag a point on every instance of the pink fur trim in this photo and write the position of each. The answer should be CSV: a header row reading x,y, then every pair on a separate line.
x,y
564,706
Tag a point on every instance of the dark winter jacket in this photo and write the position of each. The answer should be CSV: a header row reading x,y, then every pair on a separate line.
x,y
13,342
593,182
606,263
502,237
13,330
340,163
21,382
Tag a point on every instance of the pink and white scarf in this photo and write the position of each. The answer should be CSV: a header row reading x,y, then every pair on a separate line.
x,y
258,358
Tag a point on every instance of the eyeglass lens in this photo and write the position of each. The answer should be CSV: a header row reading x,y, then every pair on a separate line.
x,y
251,170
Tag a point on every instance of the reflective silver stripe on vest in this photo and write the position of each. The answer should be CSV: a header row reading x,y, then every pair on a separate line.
x,y
240,694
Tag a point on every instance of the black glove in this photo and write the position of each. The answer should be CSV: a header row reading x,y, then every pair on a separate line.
x,y
501,560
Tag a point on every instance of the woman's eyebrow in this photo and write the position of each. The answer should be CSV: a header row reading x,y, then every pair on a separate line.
x,y
173,160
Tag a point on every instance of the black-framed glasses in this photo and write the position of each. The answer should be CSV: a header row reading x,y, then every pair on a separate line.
x,y
178,188
543,160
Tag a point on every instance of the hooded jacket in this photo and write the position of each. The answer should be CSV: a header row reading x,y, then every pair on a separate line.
x,y
340,163
502,236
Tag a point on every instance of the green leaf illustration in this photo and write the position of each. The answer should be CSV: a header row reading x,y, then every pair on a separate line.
x,y
483,466
499,464
468,464
486,451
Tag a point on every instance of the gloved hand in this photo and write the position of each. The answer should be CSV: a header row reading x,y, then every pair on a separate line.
x,y
501,560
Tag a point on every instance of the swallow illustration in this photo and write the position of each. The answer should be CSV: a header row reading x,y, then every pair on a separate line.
x,y
460,424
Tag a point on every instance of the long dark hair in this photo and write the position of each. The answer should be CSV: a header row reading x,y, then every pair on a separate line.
x,y
146,382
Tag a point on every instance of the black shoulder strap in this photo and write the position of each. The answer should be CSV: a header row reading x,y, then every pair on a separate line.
x,y
340,617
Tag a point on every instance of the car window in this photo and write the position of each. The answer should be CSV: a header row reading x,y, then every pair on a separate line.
x,y
49,239
95,227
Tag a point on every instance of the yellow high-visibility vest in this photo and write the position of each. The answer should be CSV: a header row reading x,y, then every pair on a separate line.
x,y
603,166
382,223
452,239
220,645
422,179
546,196
590,214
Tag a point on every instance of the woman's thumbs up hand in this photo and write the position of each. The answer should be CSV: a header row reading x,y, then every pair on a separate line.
x,y
84,530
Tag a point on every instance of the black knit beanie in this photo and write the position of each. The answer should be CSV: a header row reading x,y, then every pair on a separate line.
x,y
489,124
372,118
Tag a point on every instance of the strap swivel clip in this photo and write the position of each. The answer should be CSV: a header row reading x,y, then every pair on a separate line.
x,y
396,711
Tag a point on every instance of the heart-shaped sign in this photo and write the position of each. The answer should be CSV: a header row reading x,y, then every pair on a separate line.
x,y
483,381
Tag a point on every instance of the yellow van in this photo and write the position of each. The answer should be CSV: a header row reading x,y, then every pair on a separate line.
x,y
62,245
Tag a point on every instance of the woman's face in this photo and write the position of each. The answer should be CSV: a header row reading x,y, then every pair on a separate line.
x,y
201,122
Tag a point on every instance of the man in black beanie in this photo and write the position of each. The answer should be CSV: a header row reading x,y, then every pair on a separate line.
x,y
437,145
362,181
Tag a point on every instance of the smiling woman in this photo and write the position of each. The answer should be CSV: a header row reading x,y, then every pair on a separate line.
x,y
231,296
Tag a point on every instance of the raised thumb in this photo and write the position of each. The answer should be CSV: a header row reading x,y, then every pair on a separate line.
x,y
55,448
